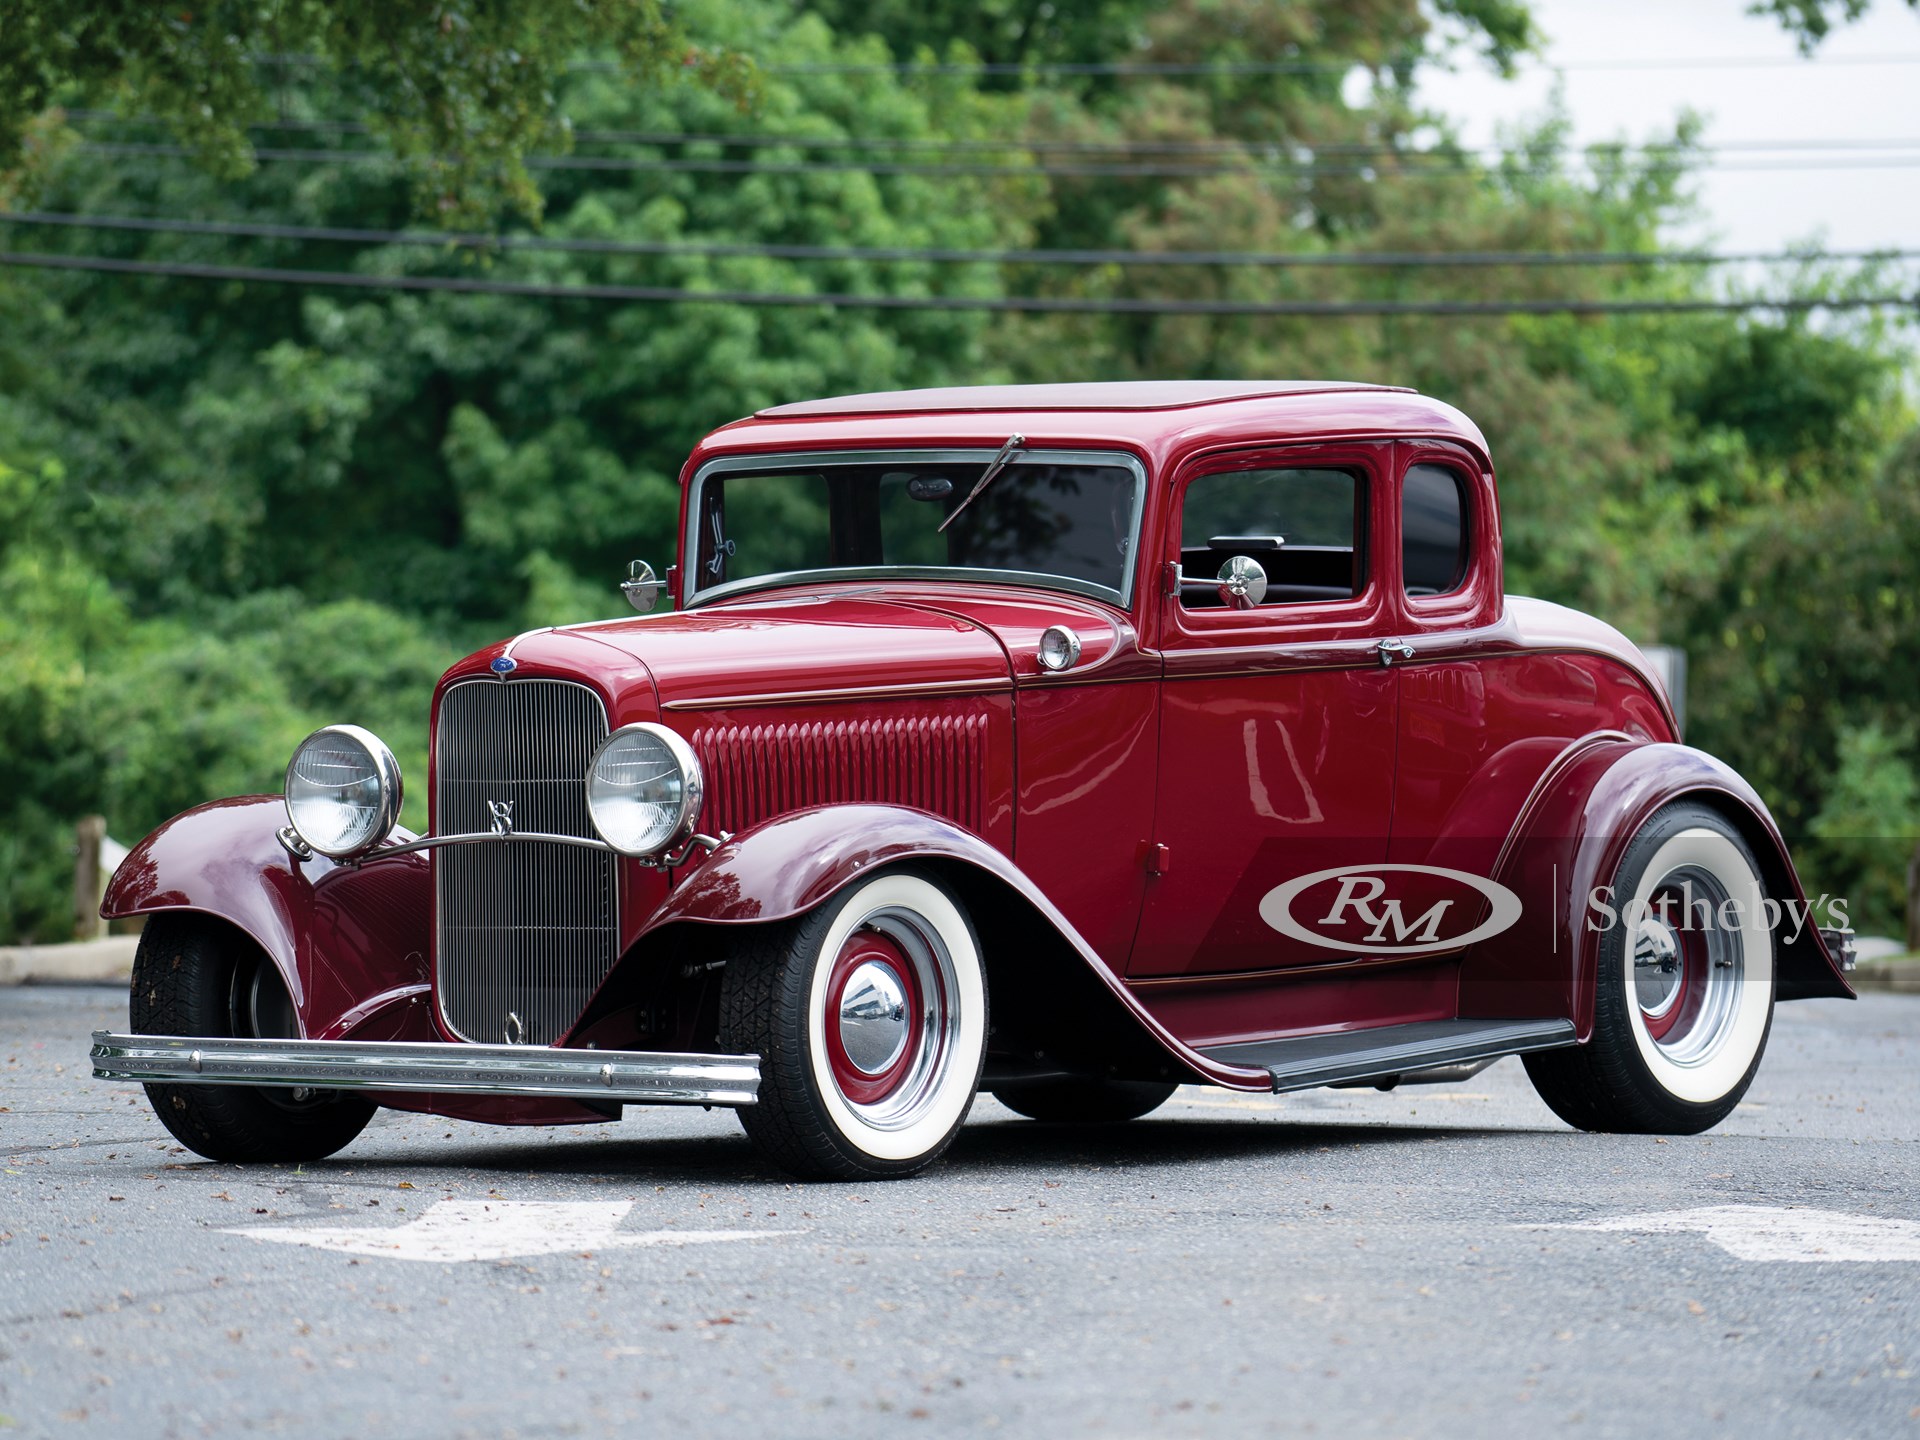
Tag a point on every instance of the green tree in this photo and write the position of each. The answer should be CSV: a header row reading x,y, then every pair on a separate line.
x,y
1796,631
1869,825
459,92
1811,21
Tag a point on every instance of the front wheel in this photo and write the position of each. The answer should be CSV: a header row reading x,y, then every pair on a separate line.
x,y
195,976
1683,998
869,1015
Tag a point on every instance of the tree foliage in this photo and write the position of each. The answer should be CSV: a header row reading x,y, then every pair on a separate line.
x,y
460,92
1811,21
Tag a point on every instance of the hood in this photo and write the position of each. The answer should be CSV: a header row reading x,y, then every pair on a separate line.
x,y
767,651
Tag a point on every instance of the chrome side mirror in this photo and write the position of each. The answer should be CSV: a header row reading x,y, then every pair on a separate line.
x,y
641,587
1243,584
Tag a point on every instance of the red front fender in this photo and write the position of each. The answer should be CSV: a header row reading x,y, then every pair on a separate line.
x,y
349,943
1570,840
1047,984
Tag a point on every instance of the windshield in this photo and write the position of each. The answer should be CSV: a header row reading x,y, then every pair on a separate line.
x,y
1048,518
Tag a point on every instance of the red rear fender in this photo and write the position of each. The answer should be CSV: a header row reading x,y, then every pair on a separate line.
x,y
1570,840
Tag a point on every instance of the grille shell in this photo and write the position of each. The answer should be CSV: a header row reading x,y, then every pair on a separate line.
x,y
528,928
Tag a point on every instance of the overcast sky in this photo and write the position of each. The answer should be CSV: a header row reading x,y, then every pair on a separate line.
x,y
1826,196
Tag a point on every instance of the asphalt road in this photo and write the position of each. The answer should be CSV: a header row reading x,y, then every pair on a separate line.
x,y
1339,1263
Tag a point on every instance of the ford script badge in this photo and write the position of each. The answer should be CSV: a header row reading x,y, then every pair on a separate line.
x,y
503,665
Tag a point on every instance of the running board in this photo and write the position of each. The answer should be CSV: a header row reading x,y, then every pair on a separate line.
x,y
1304,1062
622,1076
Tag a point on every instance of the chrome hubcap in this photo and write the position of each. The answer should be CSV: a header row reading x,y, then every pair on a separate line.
x,y
1688,966
1656,967
873,1017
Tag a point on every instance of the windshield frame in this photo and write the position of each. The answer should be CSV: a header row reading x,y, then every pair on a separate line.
x,y
693,595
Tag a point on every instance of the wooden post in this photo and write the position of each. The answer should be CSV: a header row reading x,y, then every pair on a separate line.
x,y
89,884
1913,902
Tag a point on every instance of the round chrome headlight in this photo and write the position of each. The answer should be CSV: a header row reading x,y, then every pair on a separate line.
x,y
644,790
343,791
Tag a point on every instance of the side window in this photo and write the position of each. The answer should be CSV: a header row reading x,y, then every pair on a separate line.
x,y
1305,528
1433,530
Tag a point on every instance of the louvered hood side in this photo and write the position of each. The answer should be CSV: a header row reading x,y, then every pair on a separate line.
x,y
934,757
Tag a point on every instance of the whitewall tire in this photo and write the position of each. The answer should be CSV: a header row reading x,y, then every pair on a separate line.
x,y
869,1015
1683,993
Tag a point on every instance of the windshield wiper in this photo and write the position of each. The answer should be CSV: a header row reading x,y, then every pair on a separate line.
x,y
987,477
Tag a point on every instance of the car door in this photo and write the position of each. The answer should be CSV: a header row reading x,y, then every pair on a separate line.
x,y
1453,722
1277,732
1478,723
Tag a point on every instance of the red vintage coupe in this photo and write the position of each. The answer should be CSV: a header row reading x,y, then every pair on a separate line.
x,y
1070,742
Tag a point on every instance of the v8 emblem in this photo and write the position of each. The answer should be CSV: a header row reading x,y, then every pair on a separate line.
x,y
502,813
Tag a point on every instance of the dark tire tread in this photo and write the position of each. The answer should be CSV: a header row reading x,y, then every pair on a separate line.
x,y
181,973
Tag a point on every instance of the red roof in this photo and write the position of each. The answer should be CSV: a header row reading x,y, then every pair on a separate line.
x,y
1097,395
1161,421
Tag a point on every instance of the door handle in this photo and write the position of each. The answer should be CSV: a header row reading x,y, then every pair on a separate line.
x,y
1390,648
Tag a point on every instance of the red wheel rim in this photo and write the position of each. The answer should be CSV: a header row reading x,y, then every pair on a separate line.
x,y
1676,1020
864,948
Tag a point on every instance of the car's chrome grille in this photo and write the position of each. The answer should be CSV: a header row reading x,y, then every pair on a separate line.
x,y
524,931
932,761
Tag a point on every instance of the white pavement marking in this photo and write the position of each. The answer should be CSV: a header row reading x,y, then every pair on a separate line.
x,y
456,1230
1769,1232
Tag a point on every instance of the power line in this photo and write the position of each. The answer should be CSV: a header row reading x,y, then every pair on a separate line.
x,y
1147,70
1130,171
1218,145
1038,304
718,166
1232,146
940,255
1153,69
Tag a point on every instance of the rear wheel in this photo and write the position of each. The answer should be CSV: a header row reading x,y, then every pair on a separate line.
x,y
1084,1101
869,1015
195,976
1683,998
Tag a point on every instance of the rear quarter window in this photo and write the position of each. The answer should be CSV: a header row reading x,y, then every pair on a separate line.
x,y
1433,530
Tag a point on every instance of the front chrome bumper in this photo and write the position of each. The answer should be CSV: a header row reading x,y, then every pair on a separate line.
x,y
625,1076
